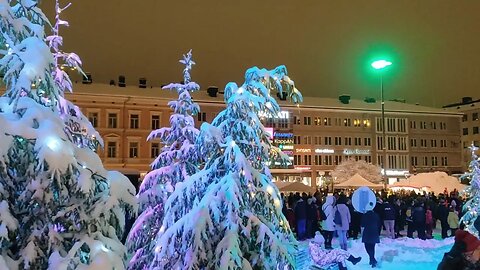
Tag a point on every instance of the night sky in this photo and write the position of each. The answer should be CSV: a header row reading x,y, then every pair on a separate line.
x,y
327,46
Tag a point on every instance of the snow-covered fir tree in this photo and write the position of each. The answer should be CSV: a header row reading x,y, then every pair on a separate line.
x,y
472,206
175,163
59,208
228,215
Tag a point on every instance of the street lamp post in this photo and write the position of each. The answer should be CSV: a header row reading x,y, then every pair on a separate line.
x,y
380,65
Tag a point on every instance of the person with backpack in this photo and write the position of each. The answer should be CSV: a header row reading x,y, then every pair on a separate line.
x,y
342,221
328,224
370,234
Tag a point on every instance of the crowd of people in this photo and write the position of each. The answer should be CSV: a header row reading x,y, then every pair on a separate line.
x,y
396,214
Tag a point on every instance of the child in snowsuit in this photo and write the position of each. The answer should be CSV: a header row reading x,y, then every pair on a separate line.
x,y
326,258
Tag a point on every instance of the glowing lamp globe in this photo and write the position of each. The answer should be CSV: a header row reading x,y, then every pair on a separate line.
x,y
380,64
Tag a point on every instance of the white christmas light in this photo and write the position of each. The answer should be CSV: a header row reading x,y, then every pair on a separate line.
x,y
269,189
53,143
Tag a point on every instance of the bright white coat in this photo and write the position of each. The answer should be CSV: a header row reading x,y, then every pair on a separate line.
x,y
329,209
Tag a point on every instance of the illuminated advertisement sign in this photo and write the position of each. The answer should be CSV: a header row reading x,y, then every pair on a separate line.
x,y
303,168
324,151
356,152
282,135
285,147
283,141
303,150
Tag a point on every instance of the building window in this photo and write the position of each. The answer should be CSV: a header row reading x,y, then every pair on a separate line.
x,y
443,125
318,160
338,160
423,142
444,161
443,143
379,143
347,122
474,116
368,159
112,120
296,120
465,131
391,143
357,122
296,140
414,161
402,143
367,142
202,117
134,121
133,151
317,121
433,125
93,118
328,160
318,140
297,160
327,121
434,161
338,140
112,150
358,141
464,118
348,141
307,120
433,143
413,142
307,160
475,130
307,140
366,122
328,140
155,122
413,124
425,161
155,150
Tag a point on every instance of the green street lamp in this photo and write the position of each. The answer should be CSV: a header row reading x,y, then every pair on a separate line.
x,y
380,65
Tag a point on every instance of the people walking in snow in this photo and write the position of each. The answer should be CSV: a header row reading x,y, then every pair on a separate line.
x,y
328,224
418,217
301,217
452,221
325,258
442,215
371,234
389,219
343,223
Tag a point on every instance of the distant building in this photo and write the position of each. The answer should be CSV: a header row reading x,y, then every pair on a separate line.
x,y
317,135
470,125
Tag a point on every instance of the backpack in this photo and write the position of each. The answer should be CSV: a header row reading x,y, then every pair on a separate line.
x,y
321,214
337,219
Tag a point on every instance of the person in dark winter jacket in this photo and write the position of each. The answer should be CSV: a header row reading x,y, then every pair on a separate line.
x,y
370,234
312,217
389,219
442,215
301,218
355,227
379,210
419,220
464,255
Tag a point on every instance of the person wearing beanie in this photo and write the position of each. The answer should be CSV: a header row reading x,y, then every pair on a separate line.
x,y
324,258
464,255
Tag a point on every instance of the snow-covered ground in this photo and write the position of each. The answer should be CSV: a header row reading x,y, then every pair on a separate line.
x,y
401,253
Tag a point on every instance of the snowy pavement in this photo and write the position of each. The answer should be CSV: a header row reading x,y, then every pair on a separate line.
x,y
401,253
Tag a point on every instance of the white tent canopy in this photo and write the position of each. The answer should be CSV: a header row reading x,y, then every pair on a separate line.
x,y
357,181
431,182
294,187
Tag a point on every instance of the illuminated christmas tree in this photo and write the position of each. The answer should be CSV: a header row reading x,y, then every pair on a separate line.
x,y
59,208
177,161
472,206
228,215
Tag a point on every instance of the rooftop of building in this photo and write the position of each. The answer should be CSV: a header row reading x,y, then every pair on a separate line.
x,y
97,89
466,104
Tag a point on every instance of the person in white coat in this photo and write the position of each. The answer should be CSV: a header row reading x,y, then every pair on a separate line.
x,y
328,225
343,224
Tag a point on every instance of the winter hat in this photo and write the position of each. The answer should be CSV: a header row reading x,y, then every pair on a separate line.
x,y
318,238
470,240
